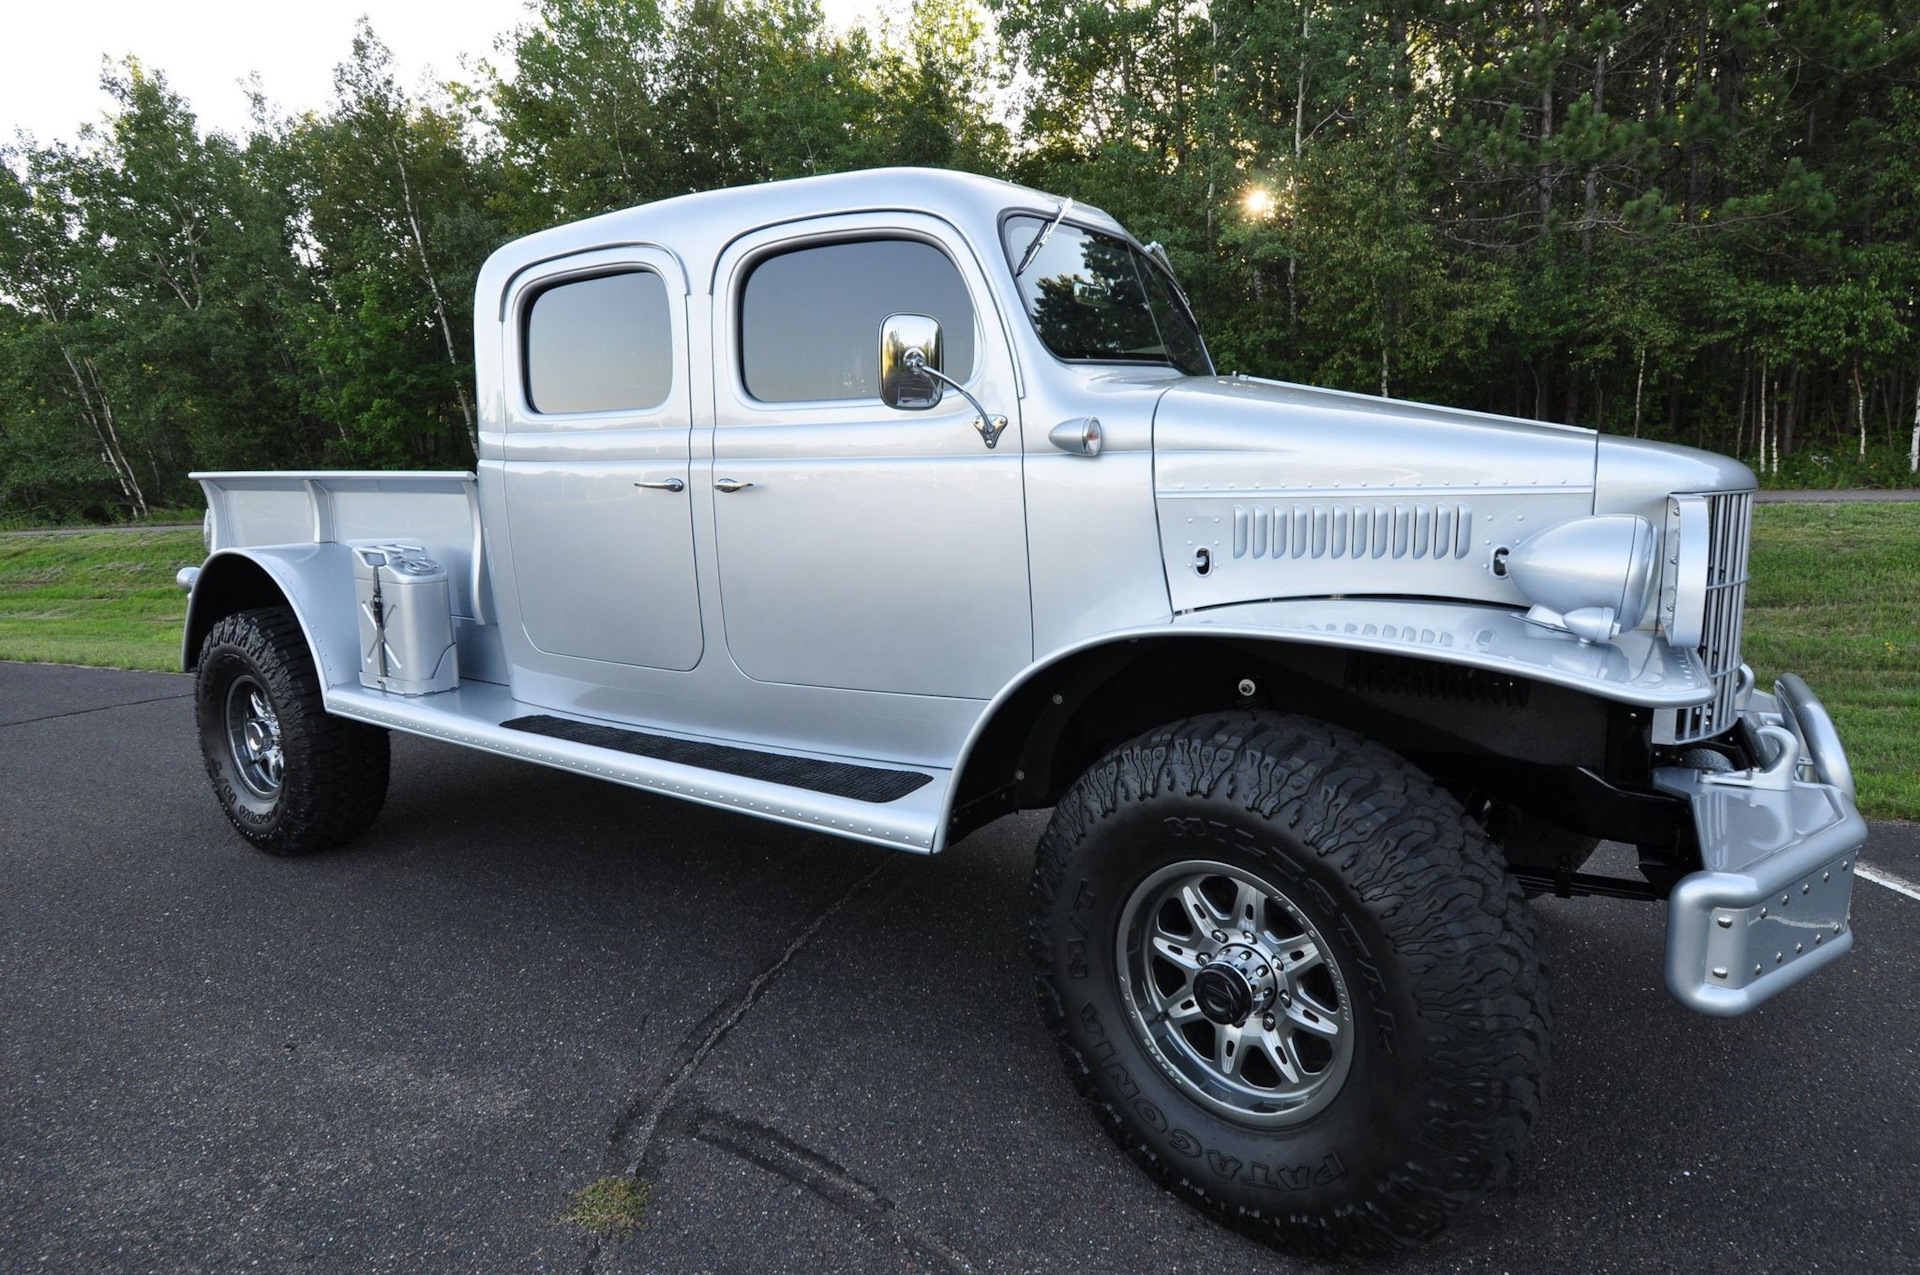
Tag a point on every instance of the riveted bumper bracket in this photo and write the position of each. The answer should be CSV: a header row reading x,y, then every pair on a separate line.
x,y
1777,848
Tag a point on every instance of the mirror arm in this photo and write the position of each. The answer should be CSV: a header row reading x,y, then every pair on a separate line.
x,y
990,427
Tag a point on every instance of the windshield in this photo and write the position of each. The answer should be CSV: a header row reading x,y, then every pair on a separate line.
x,y
1095,297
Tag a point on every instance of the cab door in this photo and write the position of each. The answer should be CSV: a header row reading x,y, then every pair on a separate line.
x,y
859,546
595,476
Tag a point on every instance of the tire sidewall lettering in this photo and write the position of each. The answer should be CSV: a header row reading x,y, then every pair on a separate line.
x,y
1227,1167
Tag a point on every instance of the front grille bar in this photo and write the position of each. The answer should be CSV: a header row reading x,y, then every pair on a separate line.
x,y
1729,538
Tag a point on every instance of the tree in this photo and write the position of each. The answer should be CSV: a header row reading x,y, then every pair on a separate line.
x,y
398,218
1689,221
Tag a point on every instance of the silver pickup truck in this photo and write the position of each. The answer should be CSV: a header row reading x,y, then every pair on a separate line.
x,y
887,503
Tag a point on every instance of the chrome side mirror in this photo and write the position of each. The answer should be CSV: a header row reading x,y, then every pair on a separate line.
x,y
905,382
910,375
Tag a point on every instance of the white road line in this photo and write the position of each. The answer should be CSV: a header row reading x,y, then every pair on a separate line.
x,y
1881,877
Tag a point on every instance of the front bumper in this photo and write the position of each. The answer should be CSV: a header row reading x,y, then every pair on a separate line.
x,y
1769,906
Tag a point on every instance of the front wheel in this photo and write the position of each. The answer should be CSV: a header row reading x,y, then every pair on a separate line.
x,y
291,777
1293,979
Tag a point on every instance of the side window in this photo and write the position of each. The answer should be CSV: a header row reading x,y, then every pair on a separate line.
x,y
810,318
601,344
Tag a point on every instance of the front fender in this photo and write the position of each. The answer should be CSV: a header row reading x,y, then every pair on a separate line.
x,y
1637,668
315,581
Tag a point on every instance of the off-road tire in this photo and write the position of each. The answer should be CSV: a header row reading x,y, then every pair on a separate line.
x,y
1445,988
333,774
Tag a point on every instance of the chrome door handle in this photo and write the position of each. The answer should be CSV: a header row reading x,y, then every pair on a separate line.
x,y
730,484
663,484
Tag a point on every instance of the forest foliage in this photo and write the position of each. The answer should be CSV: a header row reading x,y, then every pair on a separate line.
x,y
1696,221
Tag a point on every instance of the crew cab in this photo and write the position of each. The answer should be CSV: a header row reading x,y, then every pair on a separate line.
x,y
887,503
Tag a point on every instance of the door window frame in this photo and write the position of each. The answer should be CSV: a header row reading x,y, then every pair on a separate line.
x,y
993,349
522,417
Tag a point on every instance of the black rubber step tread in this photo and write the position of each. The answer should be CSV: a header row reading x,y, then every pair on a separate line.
x,y
835,778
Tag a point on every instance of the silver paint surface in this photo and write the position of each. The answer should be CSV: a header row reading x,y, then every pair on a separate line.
x,y
1301,492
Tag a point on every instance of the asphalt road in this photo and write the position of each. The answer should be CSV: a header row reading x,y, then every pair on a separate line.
x,y
408,1055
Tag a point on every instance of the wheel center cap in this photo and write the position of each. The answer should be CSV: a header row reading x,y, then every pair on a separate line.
x,y
257,737
1223,994
1234,985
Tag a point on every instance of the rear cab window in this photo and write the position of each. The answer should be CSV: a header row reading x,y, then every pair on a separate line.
x,y
603,343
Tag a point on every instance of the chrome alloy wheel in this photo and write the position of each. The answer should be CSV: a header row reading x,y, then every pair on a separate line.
x,y
1234,993
253,737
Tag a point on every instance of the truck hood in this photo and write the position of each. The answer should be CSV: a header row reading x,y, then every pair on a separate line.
x,y
1268,490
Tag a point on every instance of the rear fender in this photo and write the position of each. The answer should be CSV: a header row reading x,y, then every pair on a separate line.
x,y
315,581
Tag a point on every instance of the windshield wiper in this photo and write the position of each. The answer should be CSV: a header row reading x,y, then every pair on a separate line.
x,y
1040,240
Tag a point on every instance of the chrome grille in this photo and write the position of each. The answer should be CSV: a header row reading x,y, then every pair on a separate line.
x,y
1729,535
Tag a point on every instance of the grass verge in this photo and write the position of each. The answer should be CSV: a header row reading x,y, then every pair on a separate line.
x,y
106,599
1835,598
21,521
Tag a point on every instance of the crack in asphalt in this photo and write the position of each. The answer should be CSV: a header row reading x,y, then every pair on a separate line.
x,y
768,1148
104,708
636,1125
634,1133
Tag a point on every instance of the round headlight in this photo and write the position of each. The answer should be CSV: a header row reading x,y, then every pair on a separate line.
x,y
1591,577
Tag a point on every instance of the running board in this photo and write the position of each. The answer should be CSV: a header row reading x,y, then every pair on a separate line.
x,y
835,778
884,805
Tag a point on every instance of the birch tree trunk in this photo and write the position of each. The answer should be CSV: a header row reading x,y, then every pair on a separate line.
x,y
1774,437
1639,386
98,414
1860,408
439,301
1913,447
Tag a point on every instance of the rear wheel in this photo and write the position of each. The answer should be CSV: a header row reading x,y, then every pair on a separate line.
x,y
1292,978
291,777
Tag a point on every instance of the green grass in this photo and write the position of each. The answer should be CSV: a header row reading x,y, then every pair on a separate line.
x,y
1835,598
107,599
25,520
615,1207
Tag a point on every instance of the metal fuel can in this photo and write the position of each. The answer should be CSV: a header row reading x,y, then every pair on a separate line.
x,y
406,620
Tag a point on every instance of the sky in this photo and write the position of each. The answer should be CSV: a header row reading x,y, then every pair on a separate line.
x,y
50,60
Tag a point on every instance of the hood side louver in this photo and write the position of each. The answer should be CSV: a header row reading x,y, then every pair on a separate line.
x,y
1361,531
